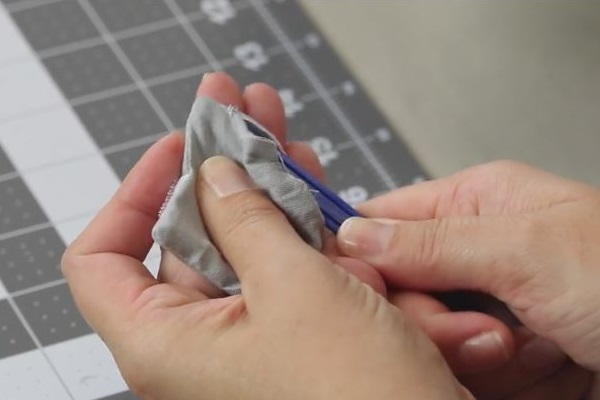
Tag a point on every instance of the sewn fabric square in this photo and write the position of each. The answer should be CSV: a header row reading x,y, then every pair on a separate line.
x,y
213,130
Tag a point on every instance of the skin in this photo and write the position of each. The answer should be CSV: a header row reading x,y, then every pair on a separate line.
x,y
180,311
526,237
276,341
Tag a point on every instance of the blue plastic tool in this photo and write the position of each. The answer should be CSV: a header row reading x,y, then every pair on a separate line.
x,y
335,210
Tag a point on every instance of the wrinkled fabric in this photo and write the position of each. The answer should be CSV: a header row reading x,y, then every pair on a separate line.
x,y
213,129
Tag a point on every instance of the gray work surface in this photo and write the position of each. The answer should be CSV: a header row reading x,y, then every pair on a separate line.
x,y
467,82
94,82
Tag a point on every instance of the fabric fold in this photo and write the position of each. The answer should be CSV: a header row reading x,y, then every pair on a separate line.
x,y
213,129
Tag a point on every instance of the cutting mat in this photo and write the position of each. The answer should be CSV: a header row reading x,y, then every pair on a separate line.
x,y
86,87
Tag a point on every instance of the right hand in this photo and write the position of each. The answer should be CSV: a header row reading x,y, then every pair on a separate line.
x,y
450,331
527,237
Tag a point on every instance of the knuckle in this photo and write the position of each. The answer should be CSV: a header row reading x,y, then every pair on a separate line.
x,y
394,248
504,165
430,242
491,179
498,168
532,240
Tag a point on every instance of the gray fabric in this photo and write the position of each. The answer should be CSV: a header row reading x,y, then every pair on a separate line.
x,y
212,130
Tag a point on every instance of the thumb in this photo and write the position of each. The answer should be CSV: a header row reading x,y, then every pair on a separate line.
x,y
251,233
479,253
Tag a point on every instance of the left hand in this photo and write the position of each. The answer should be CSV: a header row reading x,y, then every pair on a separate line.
x,y
303,328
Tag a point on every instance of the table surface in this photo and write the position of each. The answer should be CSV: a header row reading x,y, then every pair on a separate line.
x,y
83,98
468,82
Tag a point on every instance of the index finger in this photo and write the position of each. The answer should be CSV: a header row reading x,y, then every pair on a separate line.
x,y
414,202
104,264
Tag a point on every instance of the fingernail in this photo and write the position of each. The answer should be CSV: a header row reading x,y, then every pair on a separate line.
x,y
224,176
361,236
482,346
541,354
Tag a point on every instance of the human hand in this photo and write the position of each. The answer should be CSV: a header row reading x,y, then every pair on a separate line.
x,y
537,369
457,334
523,235
448,330
303,327
263,104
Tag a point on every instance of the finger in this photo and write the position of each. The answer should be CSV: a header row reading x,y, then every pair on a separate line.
x,y
221,88
469,341
174,271
414,202
330,248
249,230
304,155
104,264
263,104
535,359
487,189
124,225
364,272
443,254
570,383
